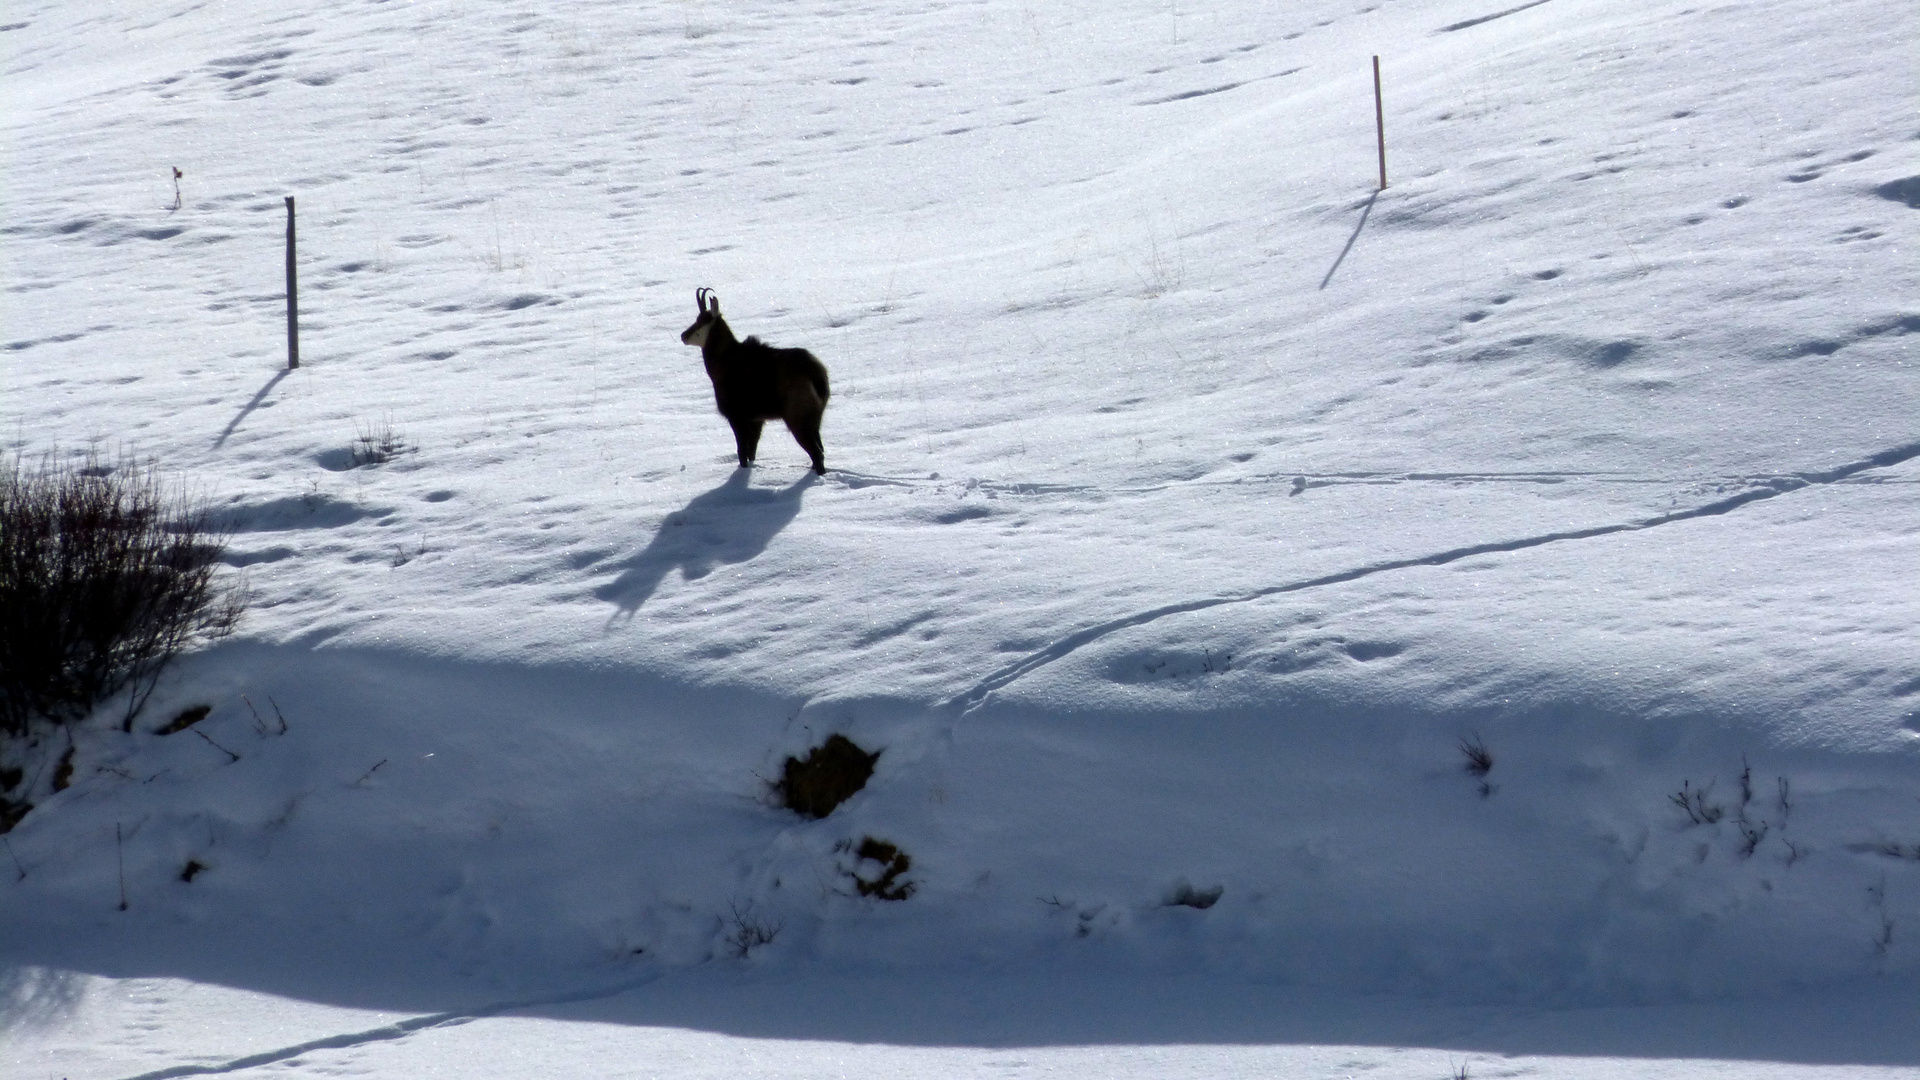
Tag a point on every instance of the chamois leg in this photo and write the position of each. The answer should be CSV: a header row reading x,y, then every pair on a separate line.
x,y
806,432
746,437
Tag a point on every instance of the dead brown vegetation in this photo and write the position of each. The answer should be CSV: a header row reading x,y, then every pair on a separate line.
x,y
829,775
894,864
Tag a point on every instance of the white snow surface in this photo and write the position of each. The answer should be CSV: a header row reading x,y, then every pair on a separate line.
x,y
1190,506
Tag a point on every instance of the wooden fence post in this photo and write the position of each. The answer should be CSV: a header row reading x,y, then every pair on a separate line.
x,y
1380,123
293,297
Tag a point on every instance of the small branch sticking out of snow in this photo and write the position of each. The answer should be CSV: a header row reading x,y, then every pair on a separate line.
x,y
1479,761
215,745
120,859
748,932
260,725
1694,801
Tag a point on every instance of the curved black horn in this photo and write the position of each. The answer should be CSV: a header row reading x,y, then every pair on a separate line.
x,y
700,296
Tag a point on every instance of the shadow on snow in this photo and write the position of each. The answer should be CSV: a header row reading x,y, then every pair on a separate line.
x,y
733,523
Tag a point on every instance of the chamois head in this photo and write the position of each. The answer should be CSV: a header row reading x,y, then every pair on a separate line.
x,y
709,304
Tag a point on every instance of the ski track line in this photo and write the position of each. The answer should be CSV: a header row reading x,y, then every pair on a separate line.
x,y
972,699
394,1031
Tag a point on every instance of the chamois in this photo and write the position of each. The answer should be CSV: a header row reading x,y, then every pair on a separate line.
x,y
753,382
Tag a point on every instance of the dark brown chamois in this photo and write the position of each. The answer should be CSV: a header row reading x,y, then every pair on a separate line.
x,y
753,382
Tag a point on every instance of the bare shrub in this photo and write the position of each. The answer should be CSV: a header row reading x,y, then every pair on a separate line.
x,y
106,575
1694,802
1479,760
1478,763
377,444
744,931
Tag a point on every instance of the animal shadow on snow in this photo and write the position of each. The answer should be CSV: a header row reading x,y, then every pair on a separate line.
x,y
730,524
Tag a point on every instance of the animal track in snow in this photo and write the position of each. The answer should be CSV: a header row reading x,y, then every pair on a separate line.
x,y
1188,95
1297,483
246,75
1160,665
971,699
1815,172
1898,325
18,346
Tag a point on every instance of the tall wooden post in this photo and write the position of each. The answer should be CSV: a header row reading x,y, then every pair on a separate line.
x,y
1380,123
293,297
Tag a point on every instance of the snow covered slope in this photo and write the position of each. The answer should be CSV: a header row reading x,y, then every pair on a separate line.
x,y
1191,507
